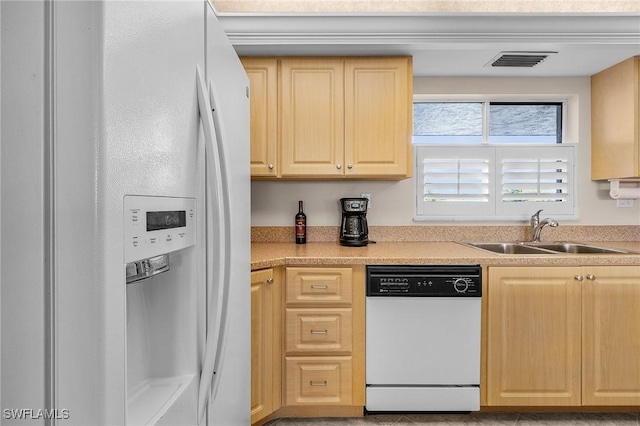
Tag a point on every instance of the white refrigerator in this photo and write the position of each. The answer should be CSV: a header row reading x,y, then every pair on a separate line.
x,y
124,215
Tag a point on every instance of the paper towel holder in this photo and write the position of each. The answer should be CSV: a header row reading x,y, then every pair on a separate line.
x,y
624,192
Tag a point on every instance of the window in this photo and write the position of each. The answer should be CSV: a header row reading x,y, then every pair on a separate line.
x,y
447,122
525,122
492,160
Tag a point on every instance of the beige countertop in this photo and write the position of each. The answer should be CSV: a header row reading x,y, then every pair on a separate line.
x,y
266,255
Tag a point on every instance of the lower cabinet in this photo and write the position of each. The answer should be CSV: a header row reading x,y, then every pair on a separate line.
x,y
611,338
324,337
563,336
315,380
307,342
555,336
266,370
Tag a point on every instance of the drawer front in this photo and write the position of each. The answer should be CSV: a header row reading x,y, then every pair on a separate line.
x,y
318,330
318,381
319,285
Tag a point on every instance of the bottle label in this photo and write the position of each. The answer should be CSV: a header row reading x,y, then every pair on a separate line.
x,y
300,228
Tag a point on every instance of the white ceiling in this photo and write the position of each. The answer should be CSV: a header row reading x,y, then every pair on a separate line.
x,y
446,44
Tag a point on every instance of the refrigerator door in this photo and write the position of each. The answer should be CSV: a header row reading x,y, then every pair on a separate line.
x,y
217,249
228,87
101,103
24,264
127,123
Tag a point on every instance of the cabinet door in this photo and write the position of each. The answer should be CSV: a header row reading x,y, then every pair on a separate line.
x,y
534,336
265,354
378,117
263,84
611,341
312,117
615,121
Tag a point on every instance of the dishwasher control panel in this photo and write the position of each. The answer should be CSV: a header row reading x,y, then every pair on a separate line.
x,y
424,280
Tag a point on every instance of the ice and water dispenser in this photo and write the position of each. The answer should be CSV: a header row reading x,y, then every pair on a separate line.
x,y
161,272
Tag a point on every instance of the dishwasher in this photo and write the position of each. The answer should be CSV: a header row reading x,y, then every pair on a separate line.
x,y
423,338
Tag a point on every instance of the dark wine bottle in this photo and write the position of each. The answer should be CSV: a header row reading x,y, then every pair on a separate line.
x,y
301,225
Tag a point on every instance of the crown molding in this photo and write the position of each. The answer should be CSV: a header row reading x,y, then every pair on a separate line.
x,y
418,29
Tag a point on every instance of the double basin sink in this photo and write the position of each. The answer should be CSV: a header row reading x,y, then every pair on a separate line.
x,y
546,248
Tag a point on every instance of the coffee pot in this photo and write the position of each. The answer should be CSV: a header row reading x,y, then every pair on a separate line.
x,y
353,229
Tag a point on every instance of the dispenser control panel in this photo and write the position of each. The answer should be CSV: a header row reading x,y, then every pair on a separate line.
x,y
157,225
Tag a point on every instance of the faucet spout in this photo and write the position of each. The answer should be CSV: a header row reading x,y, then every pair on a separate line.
x,y
537,225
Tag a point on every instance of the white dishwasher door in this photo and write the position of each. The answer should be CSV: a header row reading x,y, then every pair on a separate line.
x,y
428,341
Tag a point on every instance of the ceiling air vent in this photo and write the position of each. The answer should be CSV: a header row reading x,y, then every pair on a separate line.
x,y
518,59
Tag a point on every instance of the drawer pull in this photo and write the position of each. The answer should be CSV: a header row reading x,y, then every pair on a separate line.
x,y
323,383
319,331
319,287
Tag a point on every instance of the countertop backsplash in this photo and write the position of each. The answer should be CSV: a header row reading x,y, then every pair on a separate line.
x,y
283,234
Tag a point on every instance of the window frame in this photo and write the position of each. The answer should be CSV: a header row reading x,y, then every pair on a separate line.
x,y
420,213
560,134
487,100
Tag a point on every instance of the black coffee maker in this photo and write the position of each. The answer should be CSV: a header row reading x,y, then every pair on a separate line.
x,y
353,230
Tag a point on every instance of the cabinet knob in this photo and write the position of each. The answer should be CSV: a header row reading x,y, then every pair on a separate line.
x,y
579,278
338,166
270,280
270,166
591,277
350,166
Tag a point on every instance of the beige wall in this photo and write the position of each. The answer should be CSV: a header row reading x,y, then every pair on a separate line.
x,y
275,203
429,6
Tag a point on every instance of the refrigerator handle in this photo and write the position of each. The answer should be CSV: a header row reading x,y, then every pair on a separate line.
x,y
226,242
216,324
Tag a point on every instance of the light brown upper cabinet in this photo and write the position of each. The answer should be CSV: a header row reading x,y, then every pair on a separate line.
x,y
263,82
378,106
615,121
338,118
312,117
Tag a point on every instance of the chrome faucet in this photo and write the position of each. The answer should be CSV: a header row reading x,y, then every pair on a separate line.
x,y
537,225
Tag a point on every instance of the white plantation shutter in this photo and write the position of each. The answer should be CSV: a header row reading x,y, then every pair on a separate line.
x,y
534,180
454,181
540,176
499,181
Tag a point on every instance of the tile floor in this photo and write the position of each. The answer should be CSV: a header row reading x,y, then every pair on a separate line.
x,y
498,419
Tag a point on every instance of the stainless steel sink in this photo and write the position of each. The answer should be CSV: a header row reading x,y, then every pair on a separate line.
x,y
545,248
509,248
576,248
